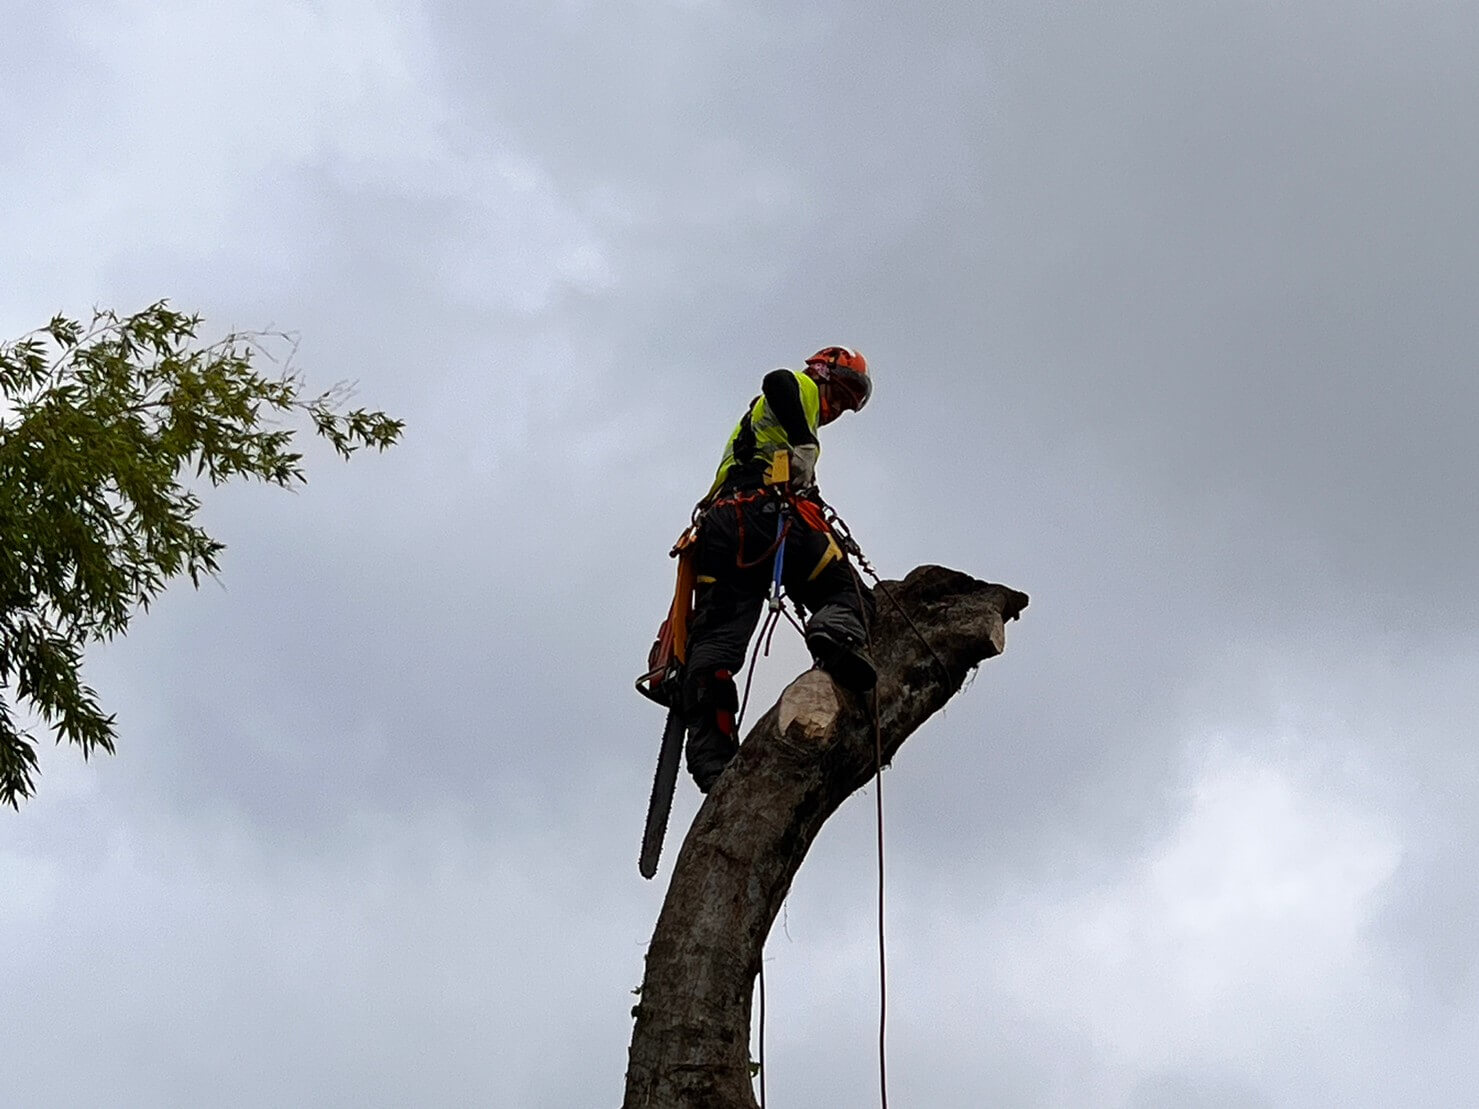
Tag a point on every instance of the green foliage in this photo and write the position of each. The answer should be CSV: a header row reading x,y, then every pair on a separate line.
x,y
100,428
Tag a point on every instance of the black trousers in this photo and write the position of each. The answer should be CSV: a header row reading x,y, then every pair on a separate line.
x,y
734,576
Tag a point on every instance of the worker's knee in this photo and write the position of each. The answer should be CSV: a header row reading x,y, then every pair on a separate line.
x,y
711,693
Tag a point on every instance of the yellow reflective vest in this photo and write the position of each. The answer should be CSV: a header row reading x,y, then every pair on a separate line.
x,y
759,435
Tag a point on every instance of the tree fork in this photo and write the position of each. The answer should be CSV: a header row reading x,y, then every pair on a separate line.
x,y
805,756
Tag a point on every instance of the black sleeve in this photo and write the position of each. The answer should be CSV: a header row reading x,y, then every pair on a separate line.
x,y
783,398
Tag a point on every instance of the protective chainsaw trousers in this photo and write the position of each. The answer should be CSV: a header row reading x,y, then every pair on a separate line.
x,y
735,565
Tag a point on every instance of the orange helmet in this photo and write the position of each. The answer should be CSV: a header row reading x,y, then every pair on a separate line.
x,y
846,370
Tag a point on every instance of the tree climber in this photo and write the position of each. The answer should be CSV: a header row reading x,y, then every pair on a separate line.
x,y
770,463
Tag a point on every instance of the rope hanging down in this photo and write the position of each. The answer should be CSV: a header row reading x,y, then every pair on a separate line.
x,y
878,795
767,633
777,609
882,958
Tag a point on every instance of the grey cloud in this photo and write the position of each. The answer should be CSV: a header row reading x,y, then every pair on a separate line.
x,y
1169,309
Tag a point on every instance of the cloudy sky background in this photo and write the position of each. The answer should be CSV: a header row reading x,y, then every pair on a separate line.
x,y
1172,311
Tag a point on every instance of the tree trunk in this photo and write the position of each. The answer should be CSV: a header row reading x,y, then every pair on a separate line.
x,y
690,1046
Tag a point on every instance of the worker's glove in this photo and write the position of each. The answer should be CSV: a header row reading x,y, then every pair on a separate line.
x,y
804,465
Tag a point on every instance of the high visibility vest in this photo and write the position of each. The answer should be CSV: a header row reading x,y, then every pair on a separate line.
x,y
759,434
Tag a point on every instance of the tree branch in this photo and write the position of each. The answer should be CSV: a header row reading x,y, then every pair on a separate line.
x,y
815,747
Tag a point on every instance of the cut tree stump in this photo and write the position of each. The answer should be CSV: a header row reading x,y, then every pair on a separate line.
x,y
805,756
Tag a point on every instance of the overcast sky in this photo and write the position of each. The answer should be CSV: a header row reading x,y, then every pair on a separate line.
x,y
1172,312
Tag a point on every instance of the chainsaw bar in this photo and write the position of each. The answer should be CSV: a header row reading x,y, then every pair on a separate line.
x,y
663,785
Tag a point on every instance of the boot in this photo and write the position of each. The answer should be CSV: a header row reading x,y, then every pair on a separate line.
x,y
843,657
710,750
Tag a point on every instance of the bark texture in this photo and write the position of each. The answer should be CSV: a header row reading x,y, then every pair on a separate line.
x,y
815,747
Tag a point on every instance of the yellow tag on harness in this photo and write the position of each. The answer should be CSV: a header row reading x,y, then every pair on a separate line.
x,y
779,470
